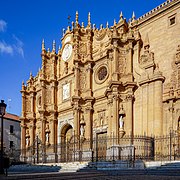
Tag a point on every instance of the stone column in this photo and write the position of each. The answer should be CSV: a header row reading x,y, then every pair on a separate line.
x,y
145,109
31,133
89,79
32,103
43,129
129,115
115,62
115,113
110,104
88,132
129,62
23,135
76,73
158,107
53,129
76,120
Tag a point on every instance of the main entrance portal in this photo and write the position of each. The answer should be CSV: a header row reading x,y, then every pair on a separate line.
x,y
66,143
101,146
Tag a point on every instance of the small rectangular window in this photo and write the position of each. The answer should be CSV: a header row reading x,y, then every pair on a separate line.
x,y
172,21
11,129
11,144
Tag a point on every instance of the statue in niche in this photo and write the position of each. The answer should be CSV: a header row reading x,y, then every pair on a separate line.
x,y
27,141
101,121
47,137
121,117
121,122
82,130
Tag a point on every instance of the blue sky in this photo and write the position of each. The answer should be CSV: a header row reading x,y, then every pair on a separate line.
x,y
24,23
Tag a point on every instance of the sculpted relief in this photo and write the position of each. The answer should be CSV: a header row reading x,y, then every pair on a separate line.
x,y
101,41
175,76
48,71
28,105
122,64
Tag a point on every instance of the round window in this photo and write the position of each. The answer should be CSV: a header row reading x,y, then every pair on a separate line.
x,y
102,73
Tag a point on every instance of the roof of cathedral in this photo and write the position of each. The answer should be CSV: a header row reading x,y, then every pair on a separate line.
x,y
157,9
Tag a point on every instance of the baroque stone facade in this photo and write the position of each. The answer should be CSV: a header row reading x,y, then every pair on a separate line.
x,y
123,79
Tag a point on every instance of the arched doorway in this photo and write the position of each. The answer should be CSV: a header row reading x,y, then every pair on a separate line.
x,y
66,145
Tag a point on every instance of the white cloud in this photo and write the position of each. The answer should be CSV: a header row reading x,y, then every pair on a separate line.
x,y
19,46
16,45
5,48
3,25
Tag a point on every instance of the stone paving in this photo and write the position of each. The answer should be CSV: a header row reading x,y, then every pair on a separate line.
x,y
86,176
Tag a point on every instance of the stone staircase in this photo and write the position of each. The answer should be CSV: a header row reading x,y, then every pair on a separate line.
x,y
124,168
72,166
169,168
118,168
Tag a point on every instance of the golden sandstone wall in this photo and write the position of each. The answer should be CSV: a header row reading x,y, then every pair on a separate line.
x,y
164,41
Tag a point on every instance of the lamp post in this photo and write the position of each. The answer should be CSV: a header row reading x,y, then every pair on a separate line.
x,y
2,113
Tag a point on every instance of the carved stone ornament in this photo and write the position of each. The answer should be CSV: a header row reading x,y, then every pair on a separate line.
x,y
83,49
48,97
66,91
175,76
122,65
48,71
147,60
28,105
83,81
100,34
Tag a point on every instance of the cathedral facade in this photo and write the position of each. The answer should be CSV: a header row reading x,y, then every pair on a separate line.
x,y
108,81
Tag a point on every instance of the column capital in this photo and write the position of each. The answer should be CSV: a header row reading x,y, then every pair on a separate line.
x,y
129,97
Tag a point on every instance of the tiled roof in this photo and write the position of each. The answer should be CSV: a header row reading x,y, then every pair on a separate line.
x,y
11,116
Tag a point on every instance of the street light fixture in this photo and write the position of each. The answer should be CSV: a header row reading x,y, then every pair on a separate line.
x,y
2,113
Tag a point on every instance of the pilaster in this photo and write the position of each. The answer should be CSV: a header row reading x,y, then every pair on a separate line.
x,y
76,73
129,114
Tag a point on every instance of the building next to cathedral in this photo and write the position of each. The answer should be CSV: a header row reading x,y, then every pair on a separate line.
x,y
111,81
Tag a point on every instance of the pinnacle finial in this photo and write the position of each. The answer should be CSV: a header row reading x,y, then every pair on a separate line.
x,y
107,25
23,83
89,19
31,75
54,45
77,16
114,22
43,45
121,16
59,49
72,25
133,16
82,25
146,41
101,26
94,26
68,28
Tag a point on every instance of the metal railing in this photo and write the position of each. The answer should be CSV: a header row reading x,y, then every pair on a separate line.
x,y
128,148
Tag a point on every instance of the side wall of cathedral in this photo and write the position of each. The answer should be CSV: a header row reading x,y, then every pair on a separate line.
x,y
163,42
